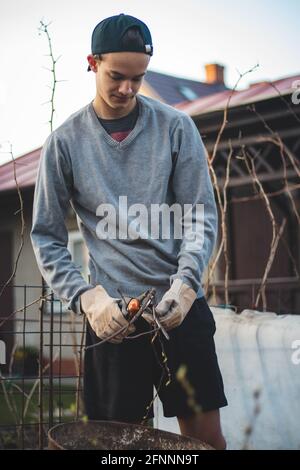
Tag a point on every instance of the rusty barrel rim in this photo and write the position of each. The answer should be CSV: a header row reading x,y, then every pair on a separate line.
x,y
53,433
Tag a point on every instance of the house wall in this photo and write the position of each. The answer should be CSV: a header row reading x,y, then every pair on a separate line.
x,y
6,305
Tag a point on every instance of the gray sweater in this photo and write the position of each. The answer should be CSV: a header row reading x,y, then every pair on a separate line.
x,y
162,161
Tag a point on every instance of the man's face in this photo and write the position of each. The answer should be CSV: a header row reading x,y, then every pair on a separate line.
x,y
119,76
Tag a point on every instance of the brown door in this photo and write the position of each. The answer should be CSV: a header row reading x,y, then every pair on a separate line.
x,y
251,236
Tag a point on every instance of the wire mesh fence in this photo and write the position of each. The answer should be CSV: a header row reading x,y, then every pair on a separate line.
x,y
41,374
42,352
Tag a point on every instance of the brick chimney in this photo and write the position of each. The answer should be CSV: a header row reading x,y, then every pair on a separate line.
x,y
214,74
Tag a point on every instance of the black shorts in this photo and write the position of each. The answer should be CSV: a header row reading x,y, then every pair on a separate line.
x,y
119,378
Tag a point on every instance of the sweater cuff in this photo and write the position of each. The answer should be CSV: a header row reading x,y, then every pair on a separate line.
x,y
75,305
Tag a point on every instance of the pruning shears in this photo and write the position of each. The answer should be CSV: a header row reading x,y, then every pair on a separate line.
x,y
135,307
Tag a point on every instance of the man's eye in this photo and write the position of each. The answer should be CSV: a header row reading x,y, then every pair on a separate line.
x,y
134,79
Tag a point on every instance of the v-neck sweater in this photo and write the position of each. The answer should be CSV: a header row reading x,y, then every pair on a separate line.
x,y
161,162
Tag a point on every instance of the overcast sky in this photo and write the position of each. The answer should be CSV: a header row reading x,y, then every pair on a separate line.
x,y
186,35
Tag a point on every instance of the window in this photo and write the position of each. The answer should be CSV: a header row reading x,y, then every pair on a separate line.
x,y
79,253
188,93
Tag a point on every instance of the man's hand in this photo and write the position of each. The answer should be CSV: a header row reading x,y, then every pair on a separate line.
x,y
104,315
174,305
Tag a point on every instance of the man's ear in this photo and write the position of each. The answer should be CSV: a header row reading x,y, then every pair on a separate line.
x,y
92,63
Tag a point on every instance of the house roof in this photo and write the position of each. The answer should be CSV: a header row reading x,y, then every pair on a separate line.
x,y
27,165
26,171
256,92
174,90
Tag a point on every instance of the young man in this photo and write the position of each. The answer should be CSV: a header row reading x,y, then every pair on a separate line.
x,y
120,155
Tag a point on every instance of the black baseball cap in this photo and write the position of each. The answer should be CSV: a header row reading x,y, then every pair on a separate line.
x,y
107,35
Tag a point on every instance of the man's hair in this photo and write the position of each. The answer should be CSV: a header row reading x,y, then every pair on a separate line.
x,y
132,37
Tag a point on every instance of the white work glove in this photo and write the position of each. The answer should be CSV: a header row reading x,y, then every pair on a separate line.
x,y
174,305
104,314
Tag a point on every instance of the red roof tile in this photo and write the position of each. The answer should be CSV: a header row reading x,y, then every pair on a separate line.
x,y
26,170
256,92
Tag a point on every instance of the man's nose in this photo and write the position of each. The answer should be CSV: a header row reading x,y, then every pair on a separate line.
x,y
126,88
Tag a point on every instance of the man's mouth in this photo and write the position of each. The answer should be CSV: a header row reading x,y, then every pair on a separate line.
x,y
122,98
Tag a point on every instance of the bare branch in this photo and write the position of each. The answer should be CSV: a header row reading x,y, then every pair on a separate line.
x,y
44,29
22,226
226,112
